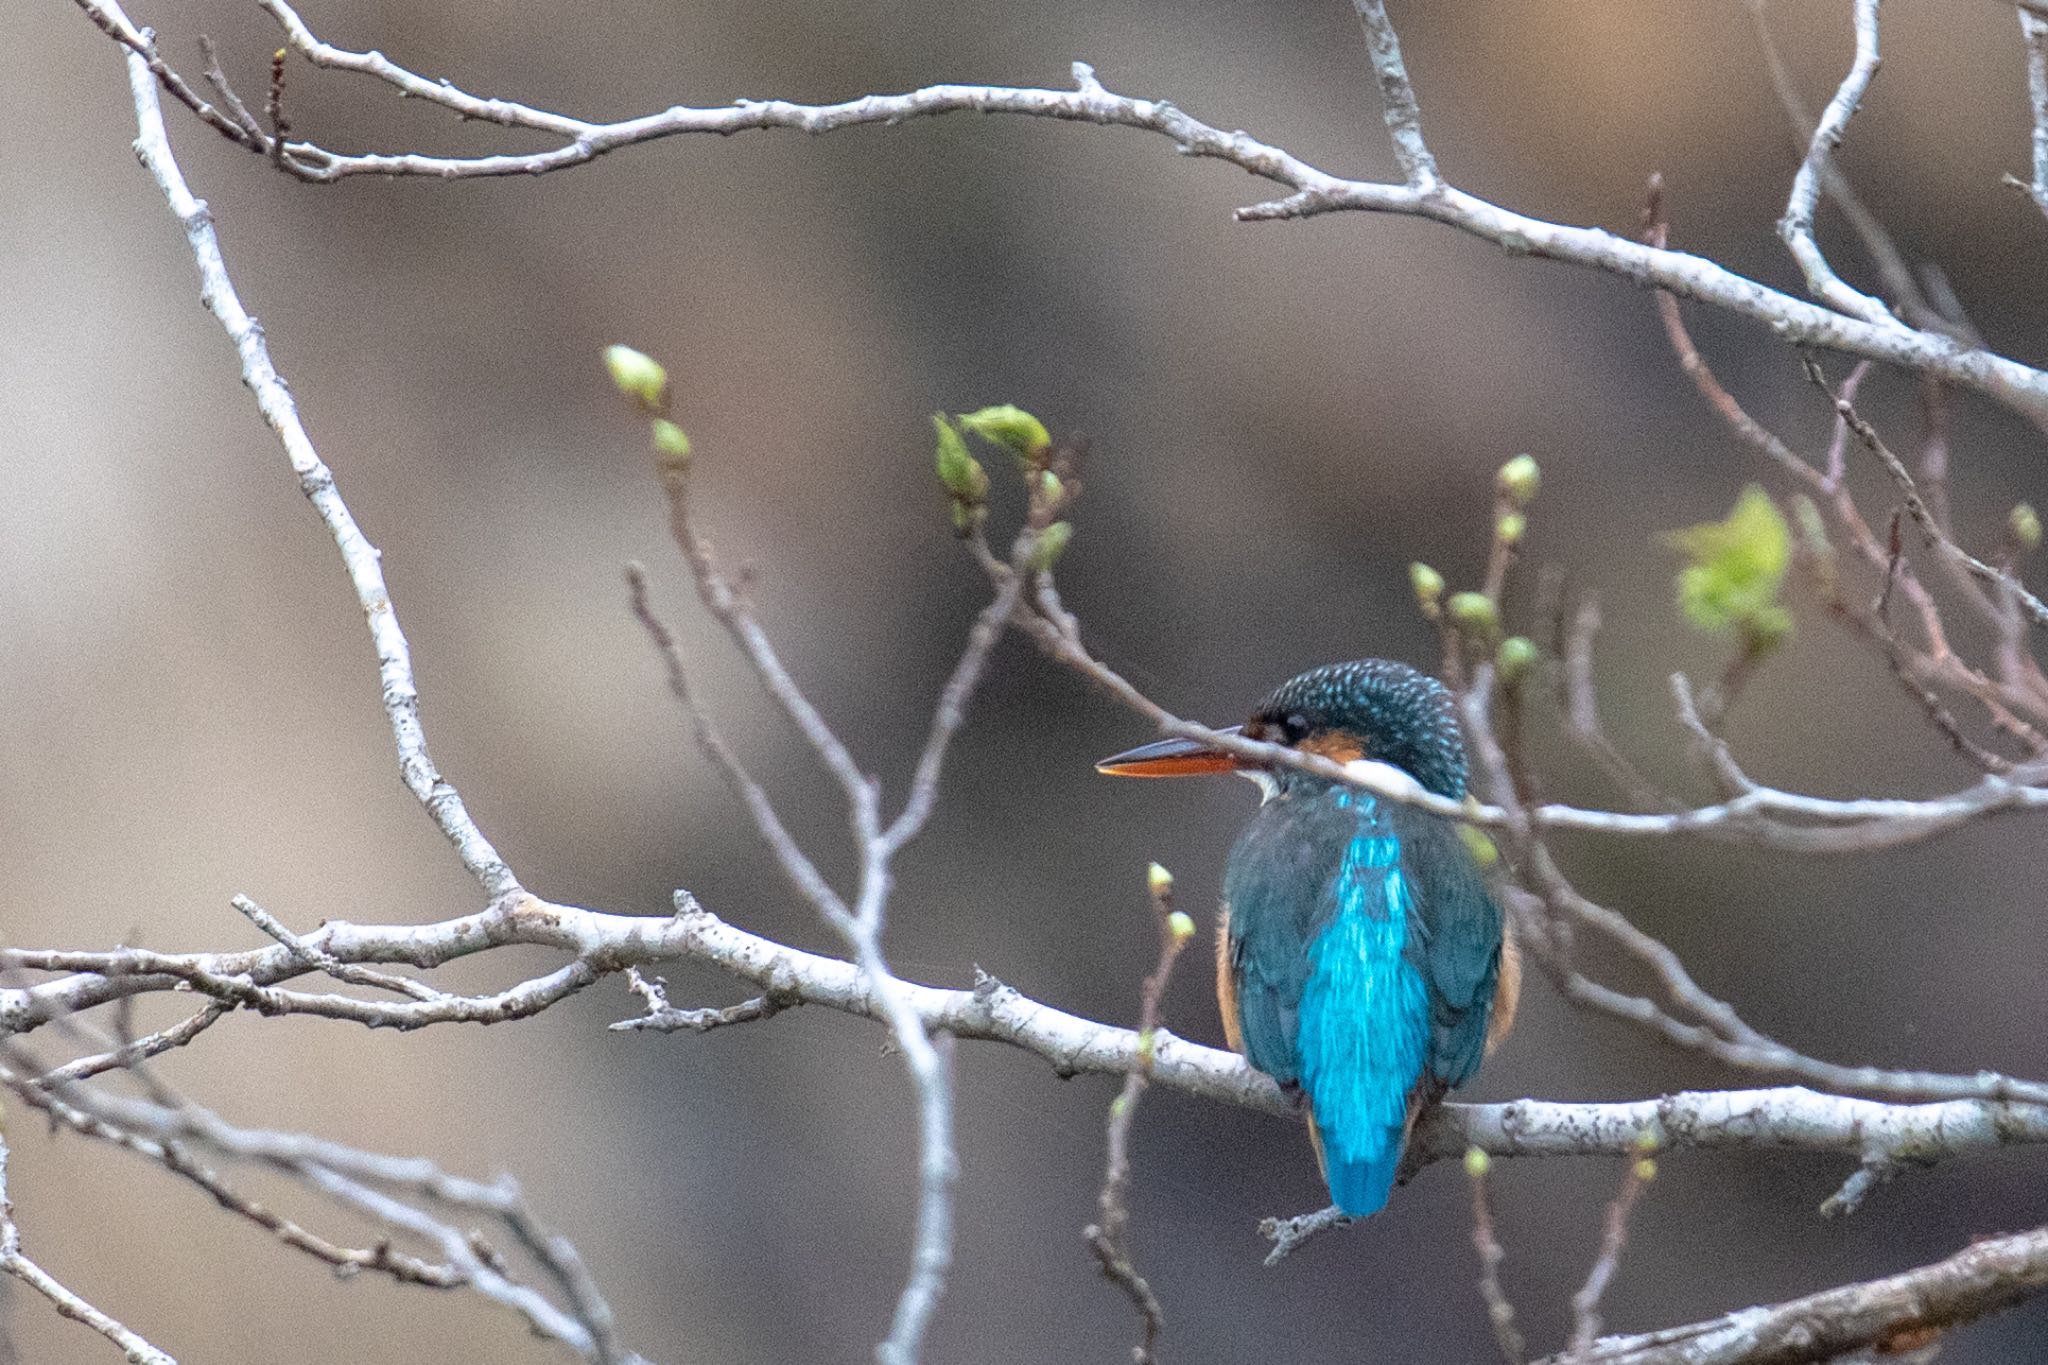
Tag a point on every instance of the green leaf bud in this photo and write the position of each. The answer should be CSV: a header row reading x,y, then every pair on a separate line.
x,y
670,443
1474,613
1646,1170
1180,928
1011,426
1519,479
1479,844
1049,486
1477,1163
960,472
1158,881
1052,543
1428,585
1515,657
2024,523
1510,528
639,376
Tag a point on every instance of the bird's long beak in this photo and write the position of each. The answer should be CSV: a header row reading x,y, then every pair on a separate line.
x,y
1172,758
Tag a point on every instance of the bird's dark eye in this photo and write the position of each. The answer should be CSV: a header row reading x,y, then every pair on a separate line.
x,y
1294,728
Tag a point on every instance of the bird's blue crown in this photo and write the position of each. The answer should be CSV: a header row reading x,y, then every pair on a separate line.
x,y
1396,714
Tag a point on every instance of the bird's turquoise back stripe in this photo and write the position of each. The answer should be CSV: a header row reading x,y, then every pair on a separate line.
x,y
1364,1022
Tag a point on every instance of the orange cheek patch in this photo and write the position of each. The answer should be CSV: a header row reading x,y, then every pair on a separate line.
x,y
1335,747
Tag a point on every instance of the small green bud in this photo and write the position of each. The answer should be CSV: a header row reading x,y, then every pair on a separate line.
x,y
960,472
639,376
1510,528
1428,585
1646,1170
1519,479
2025,525
1009,425
1515,657
670,443
1180,928
1158,881
1477,1163
1646,1142
1049,486
1479,845
1052,543
1474,613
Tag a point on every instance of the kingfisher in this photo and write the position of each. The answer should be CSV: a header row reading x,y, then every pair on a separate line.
x,y
1360,956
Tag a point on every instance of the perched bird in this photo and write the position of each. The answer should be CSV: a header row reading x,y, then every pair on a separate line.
x,y
1359,955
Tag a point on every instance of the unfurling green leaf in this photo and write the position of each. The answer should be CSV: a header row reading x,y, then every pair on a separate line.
x,y
639,376
1519,479
962,474
1011,426
1052,543
1735,569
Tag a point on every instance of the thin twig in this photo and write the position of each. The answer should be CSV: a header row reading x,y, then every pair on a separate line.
x,y
1109,1237
1500,1311
1613,1238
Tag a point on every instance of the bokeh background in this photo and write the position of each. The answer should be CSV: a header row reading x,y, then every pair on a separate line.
x,y
1283,416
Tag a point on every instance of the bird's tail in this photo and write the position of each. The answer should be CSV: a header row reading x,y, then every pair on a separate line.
x,y
1360,1174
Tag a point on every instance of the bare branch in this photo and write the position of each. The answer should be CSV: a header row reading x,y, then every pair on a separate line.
x,y
2034,32
1890,1313
359,556
1796,227
67,1303
1312,191
1397,96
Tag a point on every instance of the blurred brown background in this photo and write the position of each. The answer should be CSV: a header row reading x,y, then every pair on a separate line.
x,y
1283,416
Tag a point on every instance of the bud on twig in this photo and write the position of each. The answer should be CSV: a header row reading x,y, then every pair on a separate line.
x,y
1158,881
639,376
1519,479
1180,928
1474,614
1515,657
1011,426
2023,523
1052,543
960,472
1477,1163
1429,588
1508,530
670,444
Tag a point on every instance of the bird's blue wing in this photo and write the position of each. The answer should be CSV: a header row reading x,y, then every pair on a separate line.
x,y
1454,941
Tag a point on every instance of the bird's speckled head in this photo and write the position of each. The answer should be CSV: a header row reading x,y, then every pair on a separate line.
x,y
1374,709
